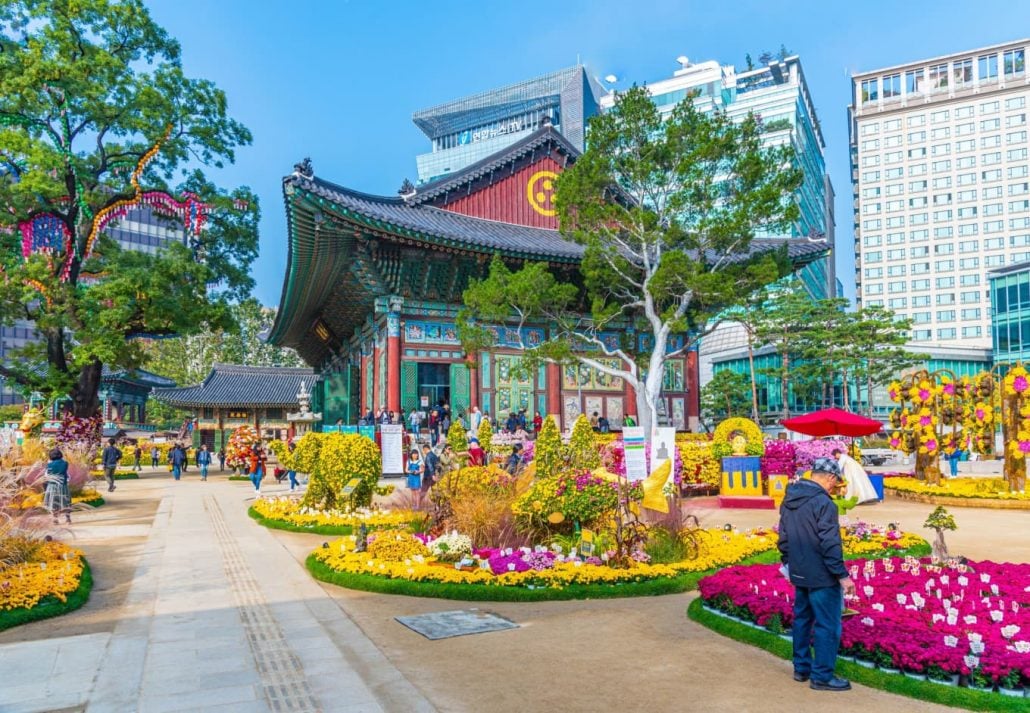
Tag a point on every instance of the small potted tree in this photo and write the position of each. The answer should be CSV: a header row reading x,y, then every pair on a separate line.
x,y
939,521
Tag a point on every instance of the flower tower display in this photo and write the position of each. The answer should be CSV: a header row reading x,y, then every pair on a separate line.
x,y
485,434
583,453
934,408
738,442
1015,425
457,438
241,446
549,450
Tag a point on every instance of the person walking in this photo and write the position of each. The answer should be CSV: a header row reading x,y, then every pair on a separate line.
x,y
475,418
813,558
155,456
257,467
430,467
137,455
514,463
177,457
291,473
203,460
414,422
185,458
56,496
110,459
221,459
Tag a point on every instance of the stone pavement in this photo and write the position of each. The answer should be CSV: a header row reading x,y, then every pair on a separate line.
x,y
218,618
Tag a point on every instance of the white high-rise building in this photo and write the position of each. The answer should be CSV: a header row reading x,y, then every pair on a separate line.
x,y
941,181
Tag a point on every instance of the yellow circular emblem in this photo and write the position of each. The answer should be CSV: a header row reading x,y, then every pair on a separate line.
x,y
540,192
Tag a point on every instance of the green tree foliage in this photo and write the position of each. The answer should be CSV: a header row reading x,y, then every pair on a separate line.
x,y
582,451
666,210
87,89
725,396
549,453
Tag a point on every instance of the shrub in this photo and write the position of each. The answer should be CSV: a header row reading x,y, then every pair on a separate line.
x,y
282,454
579,497
583,453
549,456
340,457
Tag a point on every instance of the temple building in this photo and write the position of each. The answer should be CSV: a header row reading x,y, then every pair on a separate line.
x,y
233,395
123,400
373,285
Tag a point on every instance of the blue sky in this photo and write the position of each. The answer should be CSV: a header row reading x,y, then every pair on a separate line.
x,y
338,81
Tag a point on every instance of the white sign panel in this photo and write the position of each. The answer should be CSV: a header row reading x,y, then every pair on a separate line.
x,y
392,439
636,458
664,447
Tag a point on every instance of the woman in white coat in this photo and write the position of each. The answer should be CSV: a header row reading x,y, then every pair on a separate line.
x,y
859,485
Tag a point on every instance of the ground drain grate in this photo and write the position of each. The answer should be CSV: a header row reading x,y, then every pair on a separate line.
x,y
283,682
446,624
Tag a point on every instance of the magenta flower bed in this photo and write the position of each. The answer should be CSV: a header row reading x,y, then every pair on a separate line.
x,y
969,619
808,451
779,458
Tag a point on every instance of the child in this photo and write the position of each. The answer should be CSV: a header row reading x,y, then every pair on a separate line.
x,y
56,497
414,471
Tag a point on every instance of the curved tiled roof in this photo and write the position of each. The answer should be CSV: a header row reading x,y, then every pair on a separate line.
x,y
238,385
487,235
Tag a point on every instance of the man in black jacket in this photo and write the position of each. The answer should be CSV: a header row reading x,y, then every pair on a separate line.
x,y
810,547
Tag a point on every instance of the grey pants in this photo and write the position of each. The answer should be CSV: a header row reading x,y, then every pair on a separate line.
x,y
109,474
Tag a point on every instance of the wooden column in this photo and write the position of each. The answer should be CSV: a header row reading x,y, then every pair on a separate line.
x,y
629,397
393,358
473,367
693,380
554,391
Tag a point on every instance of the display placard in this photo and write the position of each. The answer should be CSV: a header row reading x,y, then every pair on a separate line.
x,y
636,458
392,449
351,486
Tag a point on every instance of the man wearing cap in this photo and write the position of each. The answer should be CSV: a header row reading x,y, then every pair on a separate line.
x,y
811,548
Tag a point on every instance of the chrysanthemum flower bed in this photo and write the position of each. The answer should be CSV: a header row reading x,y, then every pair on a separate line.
x,y
541,572
966,488
55,580
938,621
32,499
289,514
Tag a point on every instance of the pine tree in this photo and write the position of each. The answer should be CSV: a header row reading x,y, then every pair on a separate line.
x,y
583,453
549,455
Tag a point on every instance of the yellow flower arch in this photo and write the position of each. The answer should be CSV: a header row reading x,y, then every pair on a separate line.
x,y
725,431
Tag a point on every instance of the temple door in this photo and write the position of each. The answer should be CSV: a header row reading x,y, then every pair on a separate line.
x,y
459,377
409,386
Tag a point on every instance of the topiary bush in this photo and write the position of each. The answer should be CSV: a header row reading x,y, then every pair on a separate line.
x,y
582,452
549,455
331,460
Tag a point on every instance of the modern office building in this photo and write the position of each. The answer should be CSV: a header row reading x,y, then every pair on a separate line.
x,y
941,182
778,94
960,361
469,129
141,229
1010,312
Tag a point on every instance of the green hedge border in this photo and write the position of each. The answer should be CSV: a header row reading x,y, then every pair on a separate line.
x,y
890,682
337,530
239,478
94,503
494,593
50,606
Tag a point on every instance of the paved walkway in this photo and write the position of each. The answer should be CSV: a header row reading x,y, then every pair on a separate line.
x,y
218,618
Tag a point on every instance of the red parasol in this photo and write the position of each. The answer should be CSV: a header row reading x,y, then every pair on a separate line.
x,y
833,422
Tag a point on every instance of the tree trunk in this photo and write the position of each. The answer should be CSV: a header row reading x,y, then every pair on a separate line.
x,y
869,394
784,386
754,384
846,396
85,394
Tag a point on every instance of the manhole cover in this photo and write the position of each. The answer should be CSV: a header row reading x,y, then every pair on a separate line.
x,y
445,624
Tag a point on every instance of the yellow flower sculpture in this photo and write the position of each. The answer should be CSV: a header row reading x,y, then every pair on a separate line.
x,y
725,431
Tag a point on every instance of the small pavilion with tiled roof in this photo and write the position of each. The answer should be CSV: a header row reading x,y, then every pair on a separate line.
x,y
233,395
373,285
